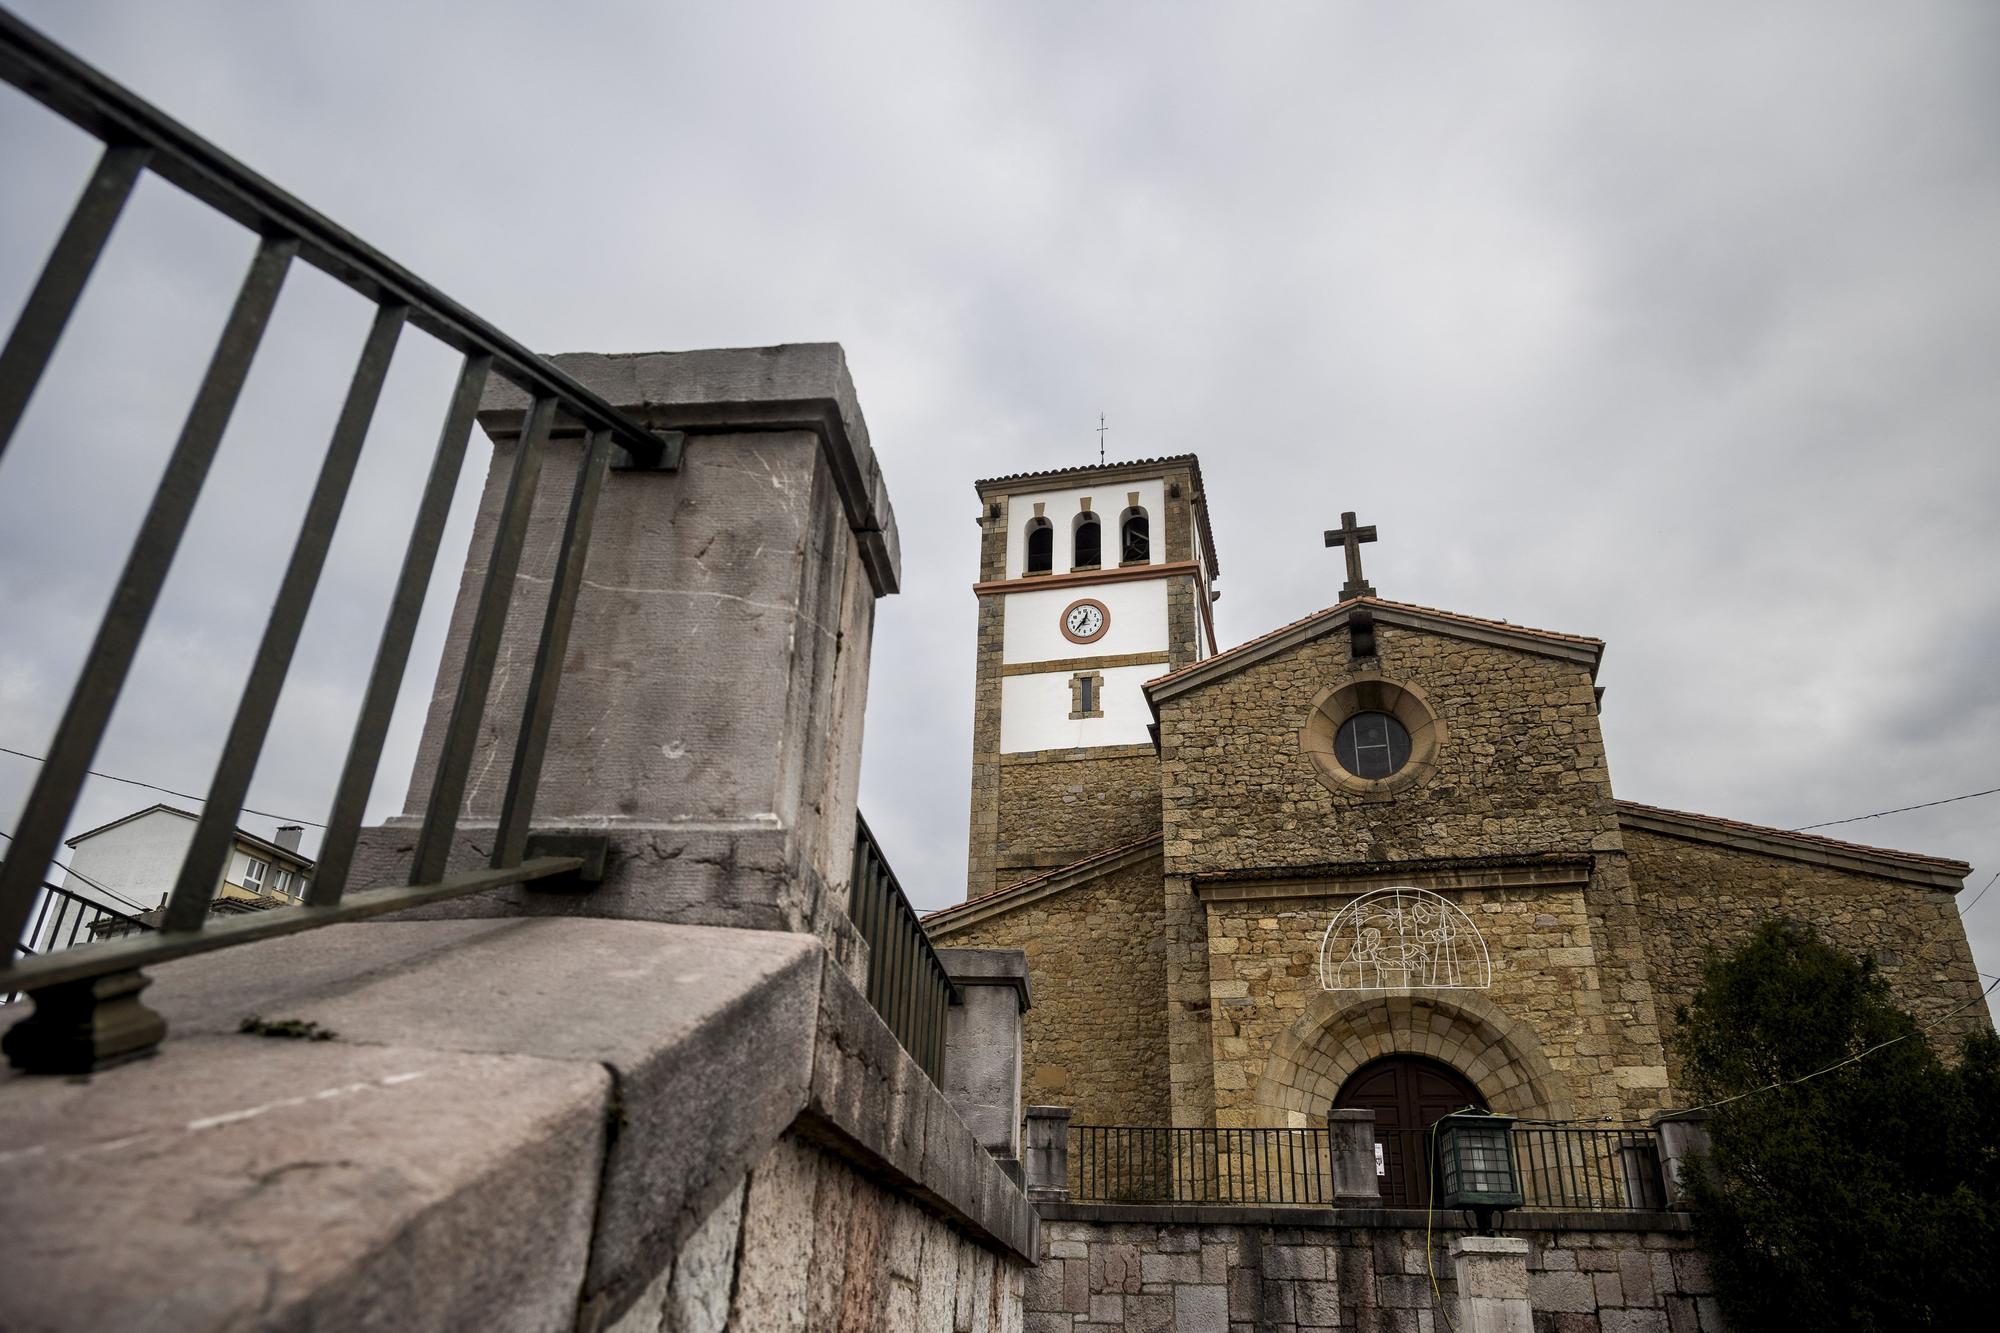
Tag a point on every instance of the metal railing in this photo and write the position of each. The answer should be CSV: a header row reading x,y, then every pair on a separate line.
x,y
137,138
1563,1168
62,920
1127,1164
907,983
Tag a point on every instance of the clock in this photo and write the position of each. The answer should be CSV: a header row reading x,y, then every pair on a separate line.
x,y
1085,620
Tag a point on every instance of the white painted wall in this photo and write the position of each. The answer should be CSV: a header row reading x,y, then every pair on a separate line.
x,y
1107,500
1034,711
138,860
1033,625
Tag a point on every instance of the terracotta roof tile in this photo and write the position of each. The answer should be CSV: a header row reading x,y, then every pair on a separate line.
x,y
1766,830
1557,635
1020,884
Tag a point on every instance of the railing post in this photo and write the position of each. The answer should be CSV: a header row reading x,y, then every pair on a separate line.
x,y
1350,1138
1048,1152
982,1053
1682,1135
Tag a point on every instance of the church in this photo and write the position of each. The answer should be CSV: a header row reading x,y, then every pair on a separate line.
x,y
1371,859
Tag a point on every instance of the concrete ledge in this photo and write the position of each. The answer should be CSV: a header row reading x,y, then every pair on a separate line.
x,y
1182,1214
243,1182
588,1091
794,386
989,967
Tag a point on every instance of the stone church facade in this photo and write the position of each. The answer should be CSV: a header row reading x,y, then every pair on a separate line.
x,y
1188,866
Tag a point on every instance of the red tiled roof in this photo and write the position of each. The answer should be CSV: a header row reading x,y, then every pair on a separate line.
x,y
1916,858
1556,635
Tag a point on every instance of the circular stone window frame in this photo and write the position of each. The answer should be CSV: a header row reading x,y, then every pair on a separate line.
x,y
1335,704
1103,624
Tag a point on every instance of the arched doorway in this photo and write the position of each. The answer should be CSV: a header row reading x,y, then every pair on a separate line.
x,y
1407,1093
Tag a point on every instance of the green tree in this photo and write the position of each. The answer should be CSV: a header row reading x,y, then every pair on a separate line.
x,y
1866,1198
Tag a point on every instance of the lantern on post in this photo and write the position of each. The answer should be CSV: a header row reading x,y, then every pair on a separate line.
x,y
1476,1166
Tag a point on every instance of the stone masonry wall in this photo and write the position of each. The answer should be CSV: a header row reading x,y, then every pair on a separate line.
x,y
1521,770
1695,898
1305,1277
1263,967
807,1242
1059,806
1095,1038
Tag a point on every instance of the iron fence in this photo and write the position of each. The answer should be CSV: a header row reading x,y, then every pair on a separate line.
x,y
62,920
1564,1168
1127,1164
137,139
907,983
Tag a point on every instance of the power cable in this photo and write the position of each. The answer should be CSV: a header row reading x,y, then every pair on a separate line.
x,y
1901,809
72,870
168,791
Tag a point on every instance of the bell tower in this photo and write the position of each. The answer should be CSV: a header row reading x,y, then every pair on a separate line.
x,y
1092,581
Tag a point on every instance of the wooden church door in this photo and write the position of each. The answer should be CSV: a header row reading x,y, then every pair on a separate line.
x,y
1407,1093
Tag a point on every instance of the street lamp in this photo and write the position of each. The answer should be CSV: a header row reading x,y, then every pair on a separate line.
x,y
1476,1167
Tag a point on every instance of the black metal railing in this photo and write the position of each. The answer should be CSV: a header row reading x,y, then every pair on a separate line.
x,y
63,919
1127,1164
1564,1168
138,139
907,983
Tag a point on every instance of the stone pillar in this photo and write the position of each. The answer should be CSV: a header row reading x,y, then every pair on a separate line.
x,y
1681,1135
710,709
1048,1152
1492,1274
982,1046
1350,1138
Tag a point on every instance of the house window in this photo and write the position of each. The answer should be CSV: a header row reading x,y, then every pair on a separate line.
x,y
1086,695
1041,546
1135,538
253,873
285,884
1089,542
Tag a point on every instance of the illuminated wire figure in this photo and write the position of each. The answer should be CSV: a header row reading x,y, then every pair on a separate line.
x,y
1403,938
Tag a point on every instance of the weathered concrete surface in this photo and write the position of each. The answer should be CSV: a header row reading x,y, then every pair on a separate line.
x,y
685,1053
1492,1274
710,709
982,1057
242,1182
736,389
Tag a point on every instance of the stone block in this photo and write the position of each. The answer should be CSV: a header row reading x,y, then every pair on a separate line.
x,y
1295,1261
1635,1276
317,1184
774,1271
1316,1302
1633,1321
1691,1273
1200,1308
1044,1321
1107,1309
1610,1291
1572,1292
1158,1269
1149,1312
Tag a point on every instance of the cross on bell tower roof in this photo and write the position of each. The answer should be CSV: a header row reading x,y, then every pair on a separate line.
x,y
1351,535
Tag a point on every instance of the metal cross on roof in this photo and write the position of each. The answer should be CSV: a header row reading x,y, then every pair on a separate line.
x,y
1350,535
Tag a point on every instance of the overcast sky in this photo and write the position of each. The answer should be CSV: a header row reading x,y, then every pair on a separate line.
x,y
1671,324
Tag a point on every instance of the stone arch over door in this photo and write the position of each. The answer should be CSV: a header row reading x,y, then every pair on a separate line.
x,y
1340,1031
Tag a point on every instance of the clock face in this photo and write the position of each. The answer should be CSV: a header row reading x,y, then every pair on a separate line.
x,y
1085,621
